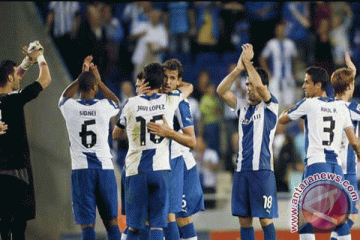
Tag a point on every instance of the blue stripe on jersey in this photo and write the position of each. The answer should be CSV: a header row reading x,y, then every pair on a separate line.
x,y
93,161
115,105
353,106
153,96
87,102
185,113
63,101
265,155
146,161
306,132
330,156
297,105
174,93
248,139
351,161
273,99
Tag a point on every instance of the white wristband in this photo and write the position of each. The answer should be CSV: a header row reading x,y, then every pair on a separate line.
x,y
25,64
41,59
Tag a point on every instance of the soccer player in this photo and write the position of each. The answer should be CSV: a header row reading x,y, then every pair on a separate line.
x,y
325,120
92,178
148,159
343,79
17,199
254,169
185,187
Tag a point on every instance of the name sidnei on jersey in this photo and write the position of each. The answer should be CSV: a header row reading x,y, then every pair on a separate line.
x,y
87,113
151,108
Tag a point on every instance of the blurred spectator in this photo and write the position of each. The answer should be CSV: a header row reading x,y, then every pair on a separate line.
x,y
297,17
207,26
211,115
235,32
62,23
231,154
323,51
262,17
287,160
114,34
151,41
207,161
202,83
341,22
92,38
278,57
180,22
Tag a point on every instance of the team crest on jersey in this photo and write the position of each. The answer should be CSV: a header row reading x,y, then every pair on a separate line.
x,y
358,107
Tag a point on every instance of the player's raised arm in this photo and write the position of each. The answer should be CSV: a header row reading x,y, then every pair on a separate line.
x,y
73,88
108,94
35,53
349,63
254,77
223,89
186,89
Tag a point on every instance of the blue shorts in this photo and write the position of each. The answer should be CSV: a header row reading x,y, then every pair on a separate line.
x,y
91,188
254,194
353,181
322,167
122,190
193,196
147,199
176,183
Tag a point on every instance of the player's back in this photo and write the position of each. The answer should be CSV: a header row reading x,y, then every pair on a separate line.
x,y
87,122
148,152
325,120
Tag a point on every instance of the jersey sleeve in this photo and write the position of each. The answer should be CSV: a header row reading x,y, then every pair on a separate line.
x,y
184,115
273,105
30,92
348,123
121,122
111,107
299,111
354,111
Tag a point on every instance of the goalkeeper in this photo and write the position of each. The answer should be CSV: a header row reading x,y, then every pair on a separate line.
x,y
17,201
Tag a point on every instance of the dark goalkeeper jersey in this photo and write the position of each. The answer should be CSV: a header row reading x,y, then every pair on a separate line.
x,y
14,147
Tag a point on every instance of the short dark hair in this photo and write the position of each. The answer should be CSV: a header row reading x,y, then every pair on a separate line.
x,y
319,75
6,69
154,75
174,64
264,76
140,75
87,81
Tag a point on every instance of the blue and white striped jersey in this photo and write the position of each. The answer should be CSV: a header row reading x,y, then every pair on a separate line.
x,y
183,119
347,154
324,121
257,125
88,124
148,152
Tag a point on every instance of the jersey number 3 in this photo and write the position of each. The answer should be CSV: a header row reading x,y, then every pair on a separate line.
x,y
85,134
329,130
